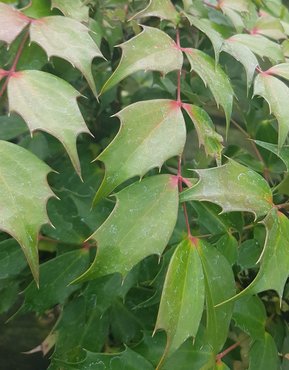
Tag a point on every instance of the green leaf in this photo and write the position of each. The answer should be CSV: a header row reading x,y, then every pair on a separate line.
x,y
264,354
75,44
281,70
163,9
74,9
142,210
215,78
12,261
152,50
283,153
276,93
151,132
11,127
261,46
237,5
228,245
270,27
23,198
12,23
207,135
249,253
232,186
182,300
48,103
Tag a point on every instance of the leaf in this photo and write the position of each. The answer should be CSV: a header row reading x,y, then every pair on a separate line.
x,y
132,231
228,246
152,50
281,70
207,135
215,78
12,261
283,153
74,9
276,93
244,55
182,300
232,186
151,132
12,23
74,45
270,27
240,6
48,103
23,198
261,46
11,127
163,9
264,354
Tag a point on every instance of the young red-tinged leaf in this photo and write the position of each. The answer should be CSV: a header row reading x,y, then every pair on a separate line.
x,y
276,93
74,9
12,23
68,39
264,354
281,70
163,9
152,50
270,27
282,153
232,186
151,132
207,135
182,300
48,103
24,192
215,78
140,225
261,46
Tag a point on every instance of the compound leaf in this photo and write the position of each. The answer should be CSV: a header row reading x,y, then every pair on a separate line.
x,y
12,23
74,9
163,9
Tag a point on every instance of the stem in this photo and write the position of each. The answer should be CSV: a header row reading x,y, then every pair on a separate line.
x,y
217,7
226,351
283,205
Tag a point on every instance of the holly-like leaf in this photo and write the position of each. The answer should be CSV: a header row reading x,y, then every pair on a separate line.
x,y
182,300
283,153
12,23
152,49
276,93
232,186
163,9
151,132
207,135
48,103
264,354
132,231
68,39
23,198
270,27
240,6
281,70
74,9
215,78
261,46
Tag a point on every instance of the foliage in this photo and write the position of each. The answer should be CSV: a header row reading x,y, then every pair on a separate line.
x,y
163,245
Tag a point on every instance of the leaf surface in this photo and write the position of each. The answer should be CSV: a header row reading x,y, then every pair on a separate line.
x,y
281,70
232,186
48,103
23,198
270,27
163,9
283,153
68,39
12,23
151,132
152,50
74,9
132,231
264,354
182,300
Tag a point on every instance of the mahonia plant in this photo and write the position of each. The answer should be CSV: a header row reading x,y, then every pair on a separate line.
x,y
163,245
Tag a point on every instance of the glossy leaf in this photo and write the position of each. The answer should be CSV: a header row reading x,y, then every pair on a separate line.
x,y
283,153
75,44
270,27
23,198
264,354
182,300
216,79
163,9
12,23
74,9
48,103
276,93
131,232
232,186
152,50
151,132
207,135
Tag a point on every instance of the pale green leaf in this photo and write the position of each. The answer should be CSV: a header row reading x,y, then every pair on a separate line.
x,y
68,39
261,46
23,198
240,6
270,27
163,9
235,18
215,78
132,231
151,132
74,9
281,70
207,135
283,153
48,103
276,93
152,49
12,23
232,186
264,354
182,300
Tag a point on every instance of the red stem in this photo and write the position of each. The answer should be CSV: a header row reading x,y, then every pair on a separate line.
x,y
226,351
